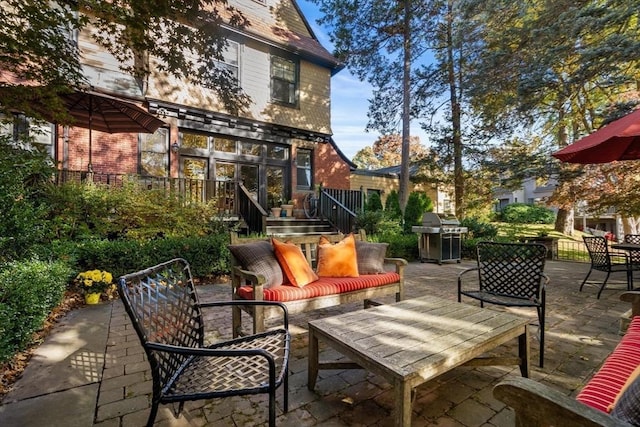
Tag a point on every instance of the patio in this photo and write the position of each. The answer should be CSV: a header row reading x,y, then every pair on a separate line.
x,y
91,370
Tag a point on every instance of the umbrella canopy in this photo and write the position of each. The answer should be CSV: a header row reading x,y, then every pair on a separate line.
x,y
619,140
97,111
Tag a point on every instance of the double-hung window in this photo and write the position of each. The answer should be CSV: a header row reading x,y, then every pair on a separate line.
x,y
284,80
304,169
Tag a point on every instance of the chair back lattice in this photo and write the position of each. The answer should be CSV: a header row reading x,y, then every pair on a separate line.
x,y
598,252
512,269
635,240
164,308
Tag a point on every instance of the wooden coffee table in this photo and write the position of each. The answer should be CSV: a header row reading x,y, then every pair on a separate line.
x,y
413,341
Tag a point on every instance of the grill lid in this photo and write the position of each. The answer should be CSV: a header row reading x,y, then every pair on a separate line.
x,y
433,219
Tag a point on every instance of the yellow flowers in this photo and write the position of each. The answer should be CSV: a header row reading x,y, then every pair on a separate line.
x,y
94,281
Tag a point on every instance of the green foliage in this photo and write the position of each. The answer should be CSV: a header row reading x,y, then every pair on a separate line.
x,y
23,177
392,206
417,204
369,221
207,255
479,229
29,290
35,46
86,211
374,202
400,245
521,213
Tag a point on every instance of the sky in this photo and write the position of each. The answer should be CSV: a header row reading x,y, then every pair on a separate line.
x,y
349,98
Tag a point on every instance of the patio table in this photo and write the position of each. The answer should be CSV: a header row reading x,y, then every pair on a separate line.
x,y
415,340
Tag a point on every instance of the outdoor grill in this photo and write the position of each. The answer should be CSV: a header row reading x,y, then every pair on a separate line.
x,y
440,237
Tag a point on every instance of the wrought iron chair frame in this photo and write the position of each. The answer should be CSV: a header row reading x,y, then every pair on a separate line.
x,y
166,313
607,261
511,275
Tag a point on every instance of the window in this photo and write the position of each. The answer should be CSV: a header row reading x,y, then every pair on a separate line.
x,y
304,173
154,153
29,132
284,80
230,61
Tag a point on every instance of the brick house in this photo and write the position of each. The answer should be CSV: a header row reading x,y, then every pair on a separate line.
x,y
280,148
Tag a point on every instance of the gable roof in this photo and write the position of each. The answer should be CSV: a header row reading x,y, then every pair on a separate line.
x,y
278,35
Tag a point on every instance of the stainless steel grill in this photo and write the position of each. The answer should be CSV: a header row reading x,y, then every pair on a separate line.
x,y
440,237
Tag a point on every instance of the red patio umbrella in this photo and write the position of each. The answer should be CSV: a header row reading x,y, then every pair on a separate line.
x,y
619,140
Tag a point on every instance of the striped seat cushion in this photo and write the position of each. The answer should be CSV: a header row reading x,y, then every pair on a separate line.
x,y
323,286
602,389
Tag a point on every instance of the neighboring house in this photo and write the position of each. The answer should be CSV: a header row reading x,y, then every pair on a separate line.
x,y
280,149
532,192
384,180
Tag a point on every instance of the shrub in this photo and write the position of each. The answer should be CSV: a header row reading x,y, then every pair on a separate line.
x,y
417,204
479,229
23,177
392,206
369,221
28,292
521,213
400,245
374,203
207,255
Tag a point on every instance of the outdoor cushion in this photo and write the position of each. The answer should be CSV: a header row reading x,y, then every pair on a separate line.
x,y
601,391
323,286
628,406
293,263
337,260
371,257
259,258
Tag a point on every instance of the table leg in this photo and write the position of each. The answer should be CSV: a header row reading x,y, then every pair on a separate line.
x,y
524,350
312,372
403,399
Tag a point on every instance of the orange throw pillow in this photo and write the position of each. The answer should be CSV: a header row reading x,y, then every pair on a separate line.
x,y
337,260
293,263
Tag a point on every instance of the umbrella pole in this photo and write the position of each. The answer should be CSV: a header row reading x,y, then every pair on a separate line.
x,y
90,166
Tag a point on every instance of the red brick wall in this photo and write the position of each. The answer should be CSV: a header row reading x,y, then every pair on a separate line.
x,y
110,153
330,169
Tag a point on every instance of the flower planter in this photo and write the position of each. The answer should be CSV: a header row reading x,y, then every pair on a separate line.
x,y
288,210
92,298
276,212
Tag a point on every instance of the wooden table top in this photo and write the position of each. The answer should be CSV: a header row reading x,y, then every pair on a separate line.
x,y
418,339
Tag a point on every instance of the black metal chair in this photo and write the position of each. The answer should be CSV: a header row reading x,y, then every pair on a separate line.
x,y
512,275
165,311
602,259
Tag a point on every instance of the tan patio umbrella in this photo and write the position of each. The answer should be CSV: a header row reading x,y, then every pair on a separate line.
x,y
96,111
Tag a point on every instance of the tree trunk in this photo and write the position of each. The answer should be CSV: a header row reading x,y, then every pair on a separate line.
x,y
456,138
564,221
406,119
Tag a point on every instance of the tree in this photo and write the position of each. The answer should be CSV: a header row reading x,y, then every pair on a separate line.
x,y
184,38
379,42
552,67
387,151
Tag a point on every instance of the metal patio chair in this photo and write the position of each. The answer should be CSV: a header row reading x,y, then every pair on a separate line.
x,y
165,311
602,259
512,275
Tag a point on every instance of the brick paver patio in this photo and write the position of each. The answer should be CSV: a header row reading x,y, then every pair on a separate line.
x,y
581,331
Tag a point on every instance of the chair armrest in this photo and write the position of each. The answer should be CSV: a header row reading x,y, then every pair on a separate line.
x,y
538,405
634,298
250,276
285,312
400,263
468,270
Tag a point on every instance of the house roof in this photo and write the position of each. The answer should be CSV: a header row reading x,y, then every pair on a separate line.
x,y
348,161
307,46
389,171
